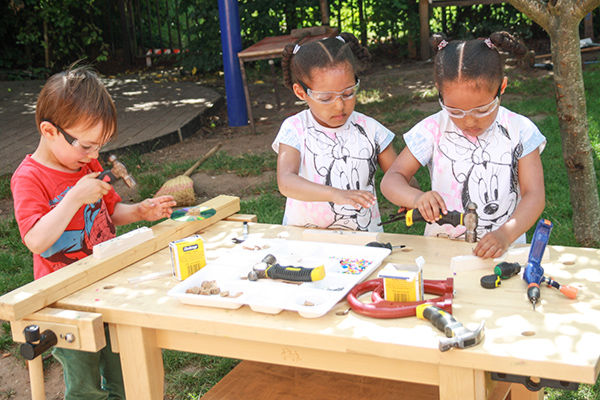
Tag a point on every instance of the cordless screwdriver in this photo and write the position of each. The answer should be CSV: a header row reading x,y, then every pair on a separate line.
x,y
534,273
504,270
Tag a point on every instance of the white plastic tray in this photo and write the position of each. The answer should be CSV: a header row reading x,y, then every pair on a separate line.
x,y
309,299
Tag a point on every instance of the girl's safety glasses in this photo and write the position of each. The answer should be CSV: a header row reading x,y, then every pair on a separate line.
x,y
74,142
477,112
330,97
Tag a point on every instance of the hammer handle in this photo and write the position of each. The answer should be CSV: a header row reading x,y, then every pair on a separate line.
x,y
442,320
107,176
295,274
453,218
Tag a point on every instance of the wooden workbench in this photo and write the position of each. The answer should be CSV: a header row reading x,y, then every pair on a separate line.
x,y
559,341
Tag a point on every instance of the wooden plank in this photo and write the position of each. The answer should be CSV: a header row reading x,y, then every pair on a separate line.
x,y
41,293
254,380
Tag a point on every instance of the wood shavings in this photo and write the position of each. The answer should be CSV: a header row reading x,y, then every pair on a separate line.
x,y
256,247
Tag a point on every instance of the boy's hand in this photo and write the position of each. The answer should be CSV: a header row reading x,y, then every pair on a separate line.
x,y
430,204
157,208
88,189
492,245
354,198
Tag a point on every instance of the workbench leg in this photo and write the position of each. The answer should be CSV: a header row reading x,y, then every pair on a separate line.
x,y
461,383
142,363
520,392
247,94
36,378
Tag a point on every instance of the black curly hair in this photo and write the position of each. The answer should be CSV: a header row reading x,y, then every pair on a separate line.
x,y
476,60
327,53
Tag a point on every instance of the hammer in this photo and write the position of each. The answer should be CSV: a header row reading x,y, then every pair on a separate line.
x,y
117,171
454,218
456,334
269,268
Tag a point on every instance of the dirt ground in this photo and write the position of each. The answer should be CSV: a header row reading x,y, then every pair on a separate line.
x,y
391,79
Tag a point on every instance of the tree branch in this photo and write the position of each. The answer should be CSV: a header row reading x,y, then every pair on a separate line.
x,y
537,10
586,6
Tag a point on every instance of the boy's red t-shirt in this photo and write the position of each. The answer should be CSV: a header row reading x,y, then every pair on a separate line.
x,y
37,189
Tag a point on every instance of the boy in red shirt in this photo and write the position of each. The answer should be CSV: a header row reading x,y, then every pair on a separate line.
x,y
63,211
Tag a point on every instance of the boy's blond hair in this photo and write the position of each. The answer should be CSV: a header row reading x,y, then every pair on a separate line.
x,y
77,96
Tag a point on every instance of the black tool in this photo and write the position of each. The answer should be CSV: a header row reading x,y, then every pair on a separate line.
x,y
36,342
504,270
385,245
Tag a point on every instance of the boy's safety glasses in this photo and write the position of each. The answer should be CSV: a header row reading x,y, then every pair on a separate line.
x,y
330,97
477,112
74,142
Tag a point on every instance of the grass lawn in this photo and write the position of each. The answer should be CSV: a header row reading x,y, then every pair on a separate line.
x,y
531,97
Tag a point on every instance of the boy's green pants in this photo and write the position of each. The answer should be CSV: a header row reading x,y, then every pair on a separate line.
x,y
91,376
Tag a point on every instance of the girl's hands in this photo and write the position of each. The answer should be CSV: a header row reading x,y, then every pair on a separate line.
x,y
430,205
157,208
492,245
354,198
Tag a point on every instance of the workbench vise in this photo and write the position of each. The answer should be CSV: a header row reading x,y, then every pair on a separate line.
x,y
36,342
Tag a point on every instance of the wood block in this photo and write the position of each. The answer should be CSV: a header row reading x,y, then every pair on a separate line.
x,y
242,218
260,381
344,237
41,293
471,262
123,242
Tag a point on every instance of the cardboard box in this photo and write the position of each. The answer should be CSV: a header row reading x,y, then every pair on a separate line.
x,y
187,256
403,282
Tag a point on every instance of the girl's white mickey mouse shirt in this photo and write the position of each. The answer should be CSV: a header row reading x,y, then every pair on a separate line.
x,y
344,158
482,169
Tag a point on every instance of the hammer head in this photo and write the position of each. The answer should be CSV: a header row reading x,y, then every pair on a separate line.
x,y
470,221
120,171
258,269
463,338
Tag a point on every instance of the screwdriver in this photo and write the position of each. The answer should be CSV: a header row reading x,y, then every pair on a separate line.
x,y
504,270
384,245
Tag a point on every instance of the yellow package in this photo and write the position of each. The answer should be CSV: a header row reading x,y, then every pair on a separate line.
x,y
403,282
187,256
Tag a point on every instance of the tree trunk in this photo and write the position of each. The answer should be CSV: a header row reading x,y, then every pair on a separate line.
x,y
324,5
362,23
561,18
573,122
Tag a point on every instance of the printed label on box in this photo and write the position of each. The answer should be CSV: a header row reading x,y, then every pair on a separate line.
x,y
187,256
402,283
